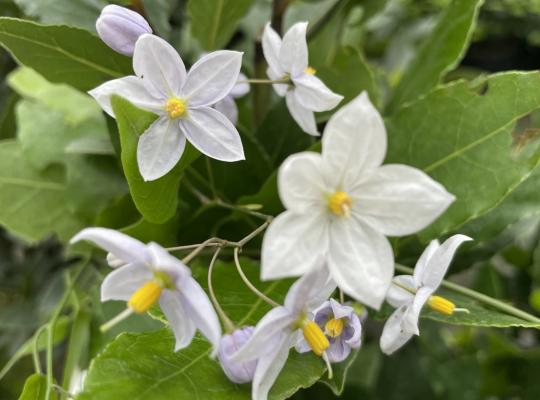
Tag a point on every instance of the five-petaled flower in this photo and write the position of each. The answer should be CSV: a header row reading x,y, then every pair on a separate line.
x,y
288,62
181,100
341,204
341,326
282,328
149,275
409,293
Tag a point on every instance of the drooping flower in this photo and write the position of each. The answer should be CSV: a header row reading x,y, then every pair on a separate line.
x,y
288,61
342,203
341,326
228,106
119,28
149,275
182,102
408,294
237,372
281,328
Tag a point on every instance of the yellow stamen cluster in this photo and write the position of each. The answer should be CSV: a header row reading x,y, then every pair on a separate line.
x,y
145,297
442,305
340,204
334,327
315,337
175,107
310,71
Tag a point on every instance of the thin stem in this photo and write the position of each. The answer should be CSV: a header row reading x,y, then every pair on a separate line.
x,y
266,81
497,304
248,283
245,210
198,249
341,296
406,288
253,234
119,318
192,246
35,349
229,325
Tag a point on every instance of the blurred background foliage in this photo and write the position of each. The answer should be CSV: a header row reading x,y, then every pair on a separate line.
x,y
446,362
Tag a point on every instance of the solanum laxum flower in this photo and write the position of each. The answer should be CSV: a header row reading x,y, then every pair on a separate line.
x,y
288,62
150,275
181,100
409,293
237,372
342,203
282,327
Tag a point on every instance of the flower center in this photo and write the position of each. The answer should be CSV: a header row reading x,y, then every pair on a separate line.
x,y
145,297
442,305
340,204
310,71
175,107
334,327
315,337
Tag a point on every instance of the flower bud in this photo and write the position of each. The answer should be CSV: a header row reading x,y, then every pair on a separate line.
x,y
120,28
237,372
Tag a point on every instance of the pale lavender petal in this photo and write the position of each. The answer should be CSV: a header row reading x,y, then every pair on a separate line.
x,y
340,310
179,320
338,351
121,283
241,87
354,326
237,372
228,107
303,117
393,337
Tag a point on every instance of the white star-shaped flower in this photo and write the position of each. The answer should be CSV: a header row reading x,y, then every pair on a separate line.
x,y
183,101
342,203
409,293
288,60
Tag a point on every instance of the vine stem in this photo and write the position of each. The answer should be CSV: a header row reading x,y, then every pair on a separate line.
x,y
482,298
229,325
265,81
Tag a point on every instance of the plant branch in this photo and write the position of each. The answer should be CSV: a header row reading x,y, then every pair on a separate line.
x,y
229,325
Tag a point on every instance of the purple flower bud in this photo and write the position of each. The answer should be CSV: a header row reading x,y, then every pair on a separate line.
x,y
120,28
237,372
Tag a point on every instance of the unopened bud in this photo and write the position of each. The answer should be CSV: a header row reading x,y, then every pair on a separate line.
x,y
237,372
120,28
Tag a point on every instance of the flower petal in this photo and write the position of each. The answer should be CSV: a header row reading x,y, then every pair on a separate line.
x,y
393,337
227,106
121,283
302,184
400,200
356,339
271,45
212,78
160,148
412,315
340,310
396,295
354,141
311,290
200,310
280,88
433,273
213,134
131,88
360,261
338,351
291,245
163,261
311,93
241,87
180,322
293,55
303,117
159,66
423,261
122,246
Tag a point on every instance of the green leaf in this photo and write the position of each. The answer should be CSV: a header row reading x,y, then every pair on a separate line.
x,y
461,135
57,53
159,15
341,370
213,22
144,365
440,53
35,388
155,200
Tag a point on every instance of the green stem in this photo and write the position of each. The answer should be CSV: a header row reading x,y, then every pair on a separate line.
x,y
35,349
482,298
266,81
229,325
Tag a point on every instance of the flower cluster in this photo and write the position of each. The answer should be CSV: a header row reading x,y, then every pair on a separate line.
x,y
341,205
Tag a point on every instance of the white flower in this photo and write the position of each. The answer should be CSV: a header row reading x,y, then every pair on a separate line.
x,y
182,102
282,328
342,203
409,293
151,274
227,106
288,60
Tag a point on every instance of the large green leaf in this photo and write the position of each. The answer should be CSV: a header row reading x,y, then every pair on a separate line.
x,y
214,21
155,200
462,135
35,388
441,52
139,366
62,54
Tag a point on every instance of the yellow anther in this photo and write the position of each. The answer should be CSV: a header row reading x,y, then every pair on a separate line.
x,y
442,305
315,337
145,297
334,327
310,71
340,204
175,107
